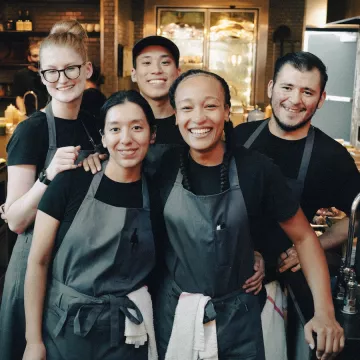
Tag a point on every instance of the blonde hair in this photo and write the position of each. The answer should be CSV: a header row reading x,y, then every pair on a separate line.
x,y
67,33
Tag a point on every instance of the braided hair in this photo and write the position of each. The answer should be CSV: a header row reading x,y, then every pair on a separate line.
x,y
228,129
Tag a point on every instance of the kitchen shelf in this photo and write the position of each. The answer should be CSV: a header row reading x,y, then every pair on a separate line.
x,y
12,65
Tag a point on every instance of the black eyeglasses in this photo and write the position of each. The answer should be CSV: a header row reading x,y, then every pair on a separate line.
x,y
71,72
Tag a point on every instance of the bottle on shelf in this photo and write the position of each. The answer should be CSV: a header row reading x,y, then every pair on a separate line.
x,y
27,21
19,22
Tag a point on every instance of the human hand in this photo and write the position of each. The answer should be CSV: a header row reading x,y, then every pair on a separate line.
x,y
2,212
34,352
330,336
289,260
64,159
254,284
93,162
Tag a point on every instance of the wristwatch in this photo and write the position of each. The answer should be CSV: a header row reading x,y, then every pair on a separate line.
x,y
43,178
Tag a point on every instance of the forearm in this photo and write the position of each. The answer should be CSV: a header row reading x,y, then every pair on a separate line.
x,y
312,260
21,213
336,235
314,266
35,288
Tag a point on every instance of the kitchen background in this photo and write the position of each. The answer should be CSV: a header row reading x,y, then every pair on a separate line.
x,y
271,27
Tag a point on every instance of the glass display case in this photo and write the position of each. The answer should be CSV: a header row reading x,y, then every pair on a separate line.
x,y
222,41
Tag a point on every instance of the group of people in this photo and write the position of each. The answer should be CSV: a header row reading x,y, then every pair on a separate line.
x,y
153,253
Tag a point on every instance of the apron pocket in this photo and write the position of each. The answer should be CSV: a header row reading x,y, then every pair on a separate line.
x,y
222,247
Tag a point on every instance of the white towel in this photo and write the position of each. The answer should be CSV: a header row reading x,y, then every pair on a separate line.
x,y
138,334
273,325
191,339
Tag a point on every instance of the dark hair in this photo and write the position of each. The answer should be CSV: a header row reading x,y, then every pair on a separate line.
x,y
121,97
302,61
228,128
97,77
156,40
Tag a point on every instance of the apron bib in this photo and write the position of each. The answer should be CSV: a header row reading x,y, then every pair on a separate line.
x,y
107,253
210,252
12,315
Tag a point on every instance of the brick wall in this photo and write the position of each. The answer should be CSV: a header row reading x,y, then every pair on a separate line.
x,y
284,12
138,18
109,63
43,18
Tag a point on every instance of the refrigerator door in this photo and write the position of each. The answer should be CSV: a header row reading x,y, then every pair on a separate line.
x,y
218,40
232,51
337,49
186,29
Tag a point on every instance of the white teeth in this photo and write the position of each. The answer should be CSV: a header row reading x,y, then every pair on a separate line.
x,y
292,110
156,81
127,152
200,131
65,88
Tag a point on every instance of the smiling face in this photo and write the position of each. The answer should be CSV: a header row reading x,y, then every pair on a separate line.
x,y
59,57
201,113
295,97
155,72
126,136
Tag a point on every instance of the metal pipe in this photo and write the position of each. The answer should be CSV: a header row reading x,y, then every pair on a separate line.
x,y
351,232
30,92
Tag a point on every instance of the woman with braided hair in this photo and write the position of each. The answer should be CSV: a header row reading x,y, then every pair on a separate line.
x,y
212,196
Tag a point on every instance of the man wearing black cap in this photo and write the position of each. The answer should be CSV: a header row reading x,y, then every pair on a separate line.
x,y
155,67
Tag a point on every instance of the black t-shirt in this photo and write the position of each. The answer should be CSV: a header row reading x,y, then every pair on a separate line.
x,y
332,178
30,142
25,80
264,189
67,191
167,132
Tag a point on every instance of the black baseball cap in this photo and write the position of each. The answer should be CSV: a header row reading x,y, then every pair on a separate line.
x,y
156,40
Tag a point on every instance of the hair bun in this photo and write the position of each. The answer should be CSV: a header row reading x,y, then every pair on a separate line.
x,y
69,26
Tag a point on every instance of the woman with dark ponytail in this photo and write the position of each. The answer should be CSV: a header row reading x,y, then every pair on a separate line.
x,y
213,196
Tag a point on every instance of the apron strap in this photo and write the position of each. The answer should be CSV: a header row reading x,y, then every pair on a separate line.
x,y
179,178
91,313
309,144
123,304
95,182
145,193
61,322
255,134
83,329
52,134
233,175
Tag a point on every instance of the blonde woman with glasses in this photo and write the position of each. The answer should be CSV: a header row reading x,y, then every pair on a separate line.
x,y
44,145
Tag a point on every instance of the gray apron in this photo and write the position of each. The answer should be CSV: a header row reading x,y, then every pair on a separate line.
x,y
107,253
12,314
297,186
210,252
